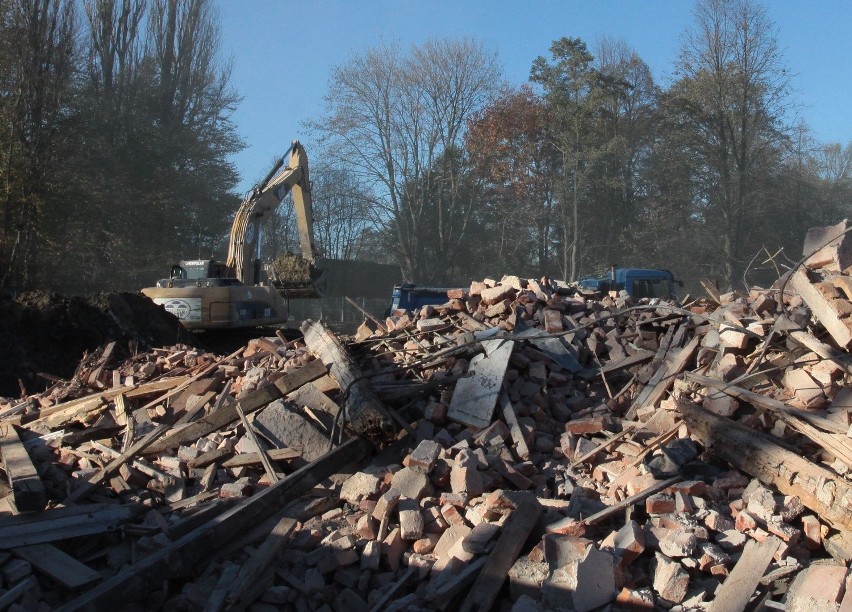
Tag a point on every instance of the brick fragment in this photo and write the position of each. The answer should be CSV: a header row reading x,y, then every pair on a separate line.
x,y
678,543
371,555
812,530
464,476
661,503
526,577
412,483
359,486
635,599
411,521
425,456
425,545
393,547
822,587
386,504
479,540
584,584
671,580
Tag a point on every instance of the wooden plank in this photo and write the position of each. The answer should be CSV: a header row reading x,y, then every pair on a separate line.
x,y
246,588
12,595
641,356
275,454
184,555
629,501
63,523
27,488
755,453
60,566
675,368
821,308
139,464
738,588
475,396
216,601
189,414
511,419
820,348
204,372
84,404
367,414
516,530
250,403
659,362
213,456
602,446
112,467
264,458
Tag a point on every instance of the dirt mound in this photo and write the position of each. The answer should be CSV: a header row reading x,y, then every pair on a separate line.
x,y
49,333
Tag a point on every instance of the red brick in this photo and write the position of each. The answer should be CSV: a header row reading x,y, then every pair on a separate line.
x,y
660,504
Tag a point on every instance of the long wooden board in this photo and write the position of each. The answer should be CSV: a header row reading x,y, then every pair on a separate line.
x,y
27,488
517,529
740,584
63,523
57,564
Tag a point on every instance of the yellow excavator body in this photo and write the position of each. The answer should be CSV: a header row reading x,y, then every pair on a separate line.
x,y
241,292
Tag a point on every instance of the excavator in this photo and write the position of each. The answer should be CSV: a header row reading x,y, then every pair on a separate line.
x,y
243,292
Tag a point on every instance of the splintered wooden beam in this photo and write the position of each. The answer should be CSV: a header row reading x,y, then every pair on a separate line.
x,y
366,412
66,411
754,453
27,488
186,554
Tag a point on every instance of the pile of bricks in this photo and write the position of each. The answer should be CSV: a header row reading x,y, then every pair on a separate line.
x,y
550,449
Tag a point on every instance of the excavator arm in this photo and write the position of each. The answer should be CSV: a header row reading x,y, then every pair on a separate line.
x,y
244,244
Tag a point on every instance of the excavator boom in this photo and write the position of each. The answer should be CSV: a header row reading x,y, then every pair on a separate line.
x,y
244,243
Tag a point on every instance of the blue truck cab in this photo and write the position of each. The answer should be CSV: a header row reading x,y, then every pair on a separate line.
x,y
411,297
638,282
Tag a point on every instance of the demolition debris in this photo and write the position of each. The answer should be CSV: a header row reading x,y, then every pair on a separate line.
x,y
523,446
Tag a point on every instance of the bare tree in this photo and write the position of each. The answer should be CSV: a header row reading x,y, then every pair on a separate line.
x,y
397,119
728,104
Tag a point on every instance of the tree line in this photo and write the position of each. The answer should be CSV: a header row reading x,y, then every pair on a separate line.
x,y
115,134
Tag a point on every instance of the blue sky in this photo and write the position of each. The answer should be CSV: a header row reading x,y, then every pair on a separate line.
x,y
282,52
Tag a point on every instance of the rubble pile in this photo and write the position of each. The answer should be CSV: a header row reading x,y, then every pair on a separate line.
x,y
523,446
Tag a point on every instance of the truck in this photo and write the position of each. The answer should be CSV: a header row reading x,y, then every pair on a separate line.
x,y
243,292
638,282
410,297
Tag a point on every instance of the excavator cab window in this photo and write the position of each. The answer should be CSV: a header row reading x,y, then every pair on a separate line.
x,y
177,273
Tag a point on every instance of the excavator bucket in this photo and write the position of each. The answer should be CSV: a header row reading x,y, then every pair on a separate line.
x,y
294,276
